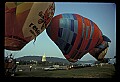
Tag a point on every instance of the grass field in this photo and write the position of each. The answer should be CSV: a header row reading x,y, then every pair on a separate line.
x,y
105,71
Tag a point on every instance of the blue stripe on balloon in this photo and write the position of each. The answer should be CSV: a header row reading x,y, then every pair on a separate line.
x,y
91,34
73,39
61,23
92,29
72,25
60,32
65,34
69,40
82,19
87,30
83,26
66,47
69,36
69,49
88,44
68,24
76,26
80,43
65,23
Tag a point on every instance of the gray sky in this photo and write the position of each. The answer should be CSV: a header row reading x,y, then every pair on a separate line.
x,y
103,14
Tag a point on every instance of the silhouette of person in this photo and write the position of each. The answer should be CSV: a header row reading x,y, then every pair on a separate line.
x,y
30,67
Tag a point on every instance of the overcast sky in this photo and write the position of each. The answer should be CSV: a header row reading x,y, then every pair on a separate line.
x,y
103,14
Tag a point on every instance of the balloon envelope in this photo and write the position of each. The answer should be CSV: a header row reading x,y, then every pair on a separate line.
x,y
74,34
24,21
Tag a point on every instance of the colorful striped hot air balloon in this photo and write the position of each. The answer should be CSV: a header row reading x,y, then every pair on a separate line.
x,y
24,21
76,35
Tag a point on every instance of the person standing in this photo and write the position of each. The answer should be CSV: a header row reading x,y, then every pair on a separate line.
x,y
30,67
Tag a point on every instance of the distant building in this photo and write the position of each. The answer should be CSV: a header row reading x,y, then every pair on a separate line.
x,y
44,58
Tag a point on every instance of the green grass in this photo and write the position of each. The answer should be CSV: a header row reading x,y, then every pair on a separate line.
x,y
106,71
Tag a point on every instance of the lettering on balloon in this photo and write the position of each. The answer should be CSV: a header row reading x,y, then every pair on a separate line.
x,y
34,29
46,17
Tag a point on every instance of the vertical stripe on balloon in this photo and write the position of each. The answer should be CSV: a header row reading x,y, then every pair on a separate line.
x,y
87,29
91,34
75,26
73,39
60,32
66,47
69,38
74,54
72,25
92,29
81,39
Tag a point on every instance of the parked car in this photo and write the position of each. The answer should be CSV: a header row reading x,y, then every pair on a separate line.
x,y
49,68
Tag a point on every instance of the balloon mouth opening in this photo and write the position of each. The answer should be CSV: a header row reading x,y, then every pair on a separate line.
x,y
102,54
14,44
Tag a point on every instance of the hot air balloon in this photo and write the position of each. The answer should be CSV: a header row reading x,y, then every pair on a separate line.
x,y
76,35
24,21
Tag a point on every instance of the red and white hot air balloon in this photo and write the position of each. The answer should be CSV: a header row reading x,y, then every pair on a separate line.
x,y
24,21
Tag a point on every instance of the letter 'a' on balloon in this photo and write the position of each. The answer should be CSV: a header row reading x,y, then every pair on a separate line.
x,y
24,21
76,36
